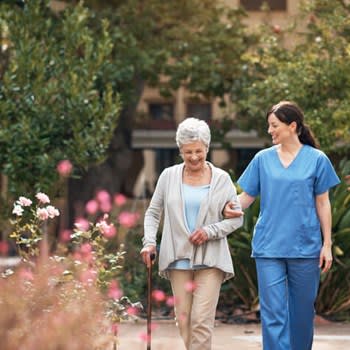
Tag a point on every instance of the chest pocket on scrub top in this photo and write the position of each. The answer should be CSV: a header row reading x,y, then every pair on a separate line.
x,y
303,193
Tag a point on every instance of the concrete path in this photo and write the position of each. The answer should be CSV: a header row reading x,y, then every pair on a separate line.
x,y
132,336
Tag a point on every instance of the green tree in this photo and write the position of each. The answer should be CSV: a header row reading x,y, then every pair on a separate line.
x,y
56,98
191,42
313,71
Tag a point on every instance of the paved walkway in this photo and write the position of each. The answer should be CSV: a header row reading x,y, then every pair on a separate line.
x,y
231,337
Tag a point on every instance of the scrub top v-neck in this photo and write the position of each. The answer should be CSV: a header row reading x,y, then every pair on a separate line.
x,y
288,225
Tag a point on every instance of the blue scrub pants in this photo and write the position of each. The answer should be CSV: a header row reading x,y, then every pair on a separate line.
x,y
287,293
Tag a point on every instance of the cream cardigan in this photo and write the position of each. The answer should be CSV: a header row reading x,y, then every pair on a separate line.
x,y
175,244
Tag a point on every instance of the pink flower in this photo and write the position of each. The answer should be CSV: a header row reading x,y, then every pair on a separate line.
x,y
132,310
106,206
107,230
64,167
114,291
4,247
52,211
144,337
128,219
115,328
103,196
88,276
86,252
119,199
86,248
82,224
190,286
65,236
26,274
158,295
23,201
91,207
170,301
43,198
42,213
17,210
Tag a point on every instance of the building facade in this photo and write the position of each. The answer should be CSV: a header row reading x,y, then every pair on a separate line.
x,y
155,136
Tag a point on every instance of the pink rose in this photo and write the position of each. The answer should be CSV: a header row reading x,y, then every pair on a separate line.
x,y
42,213
114,291
82,224
170,301
107,230
91,207
25,202
158,295
128,219
64,167
52,211
106,206
43,198
103,196
65,235
119,199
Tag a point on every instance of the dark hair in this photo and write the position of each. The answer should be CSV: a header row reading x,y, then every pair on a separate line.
x,y
288,112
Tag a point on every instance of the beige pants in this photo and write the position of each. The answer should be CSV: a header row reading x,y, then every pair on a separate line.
x,y
195,311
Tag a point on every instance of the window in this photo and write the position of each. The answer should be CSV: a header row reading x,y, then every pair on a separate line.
x,y
255,5
160,116
161,111
199,110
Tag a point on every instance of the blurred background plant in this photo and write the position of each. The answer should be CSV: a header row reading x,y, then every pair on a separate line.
x,y
84,269
334,297
41,310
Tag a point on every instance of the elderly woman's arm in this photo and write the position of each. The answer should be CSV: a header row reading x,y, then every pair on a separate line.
x,y
151,222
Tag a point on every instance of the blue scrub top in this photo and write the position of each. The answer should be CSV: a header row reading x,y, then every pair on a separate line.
x,y
288,225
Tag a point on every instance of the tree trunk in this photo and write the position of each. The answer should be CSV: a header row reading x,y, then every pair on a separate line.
x,y
117,174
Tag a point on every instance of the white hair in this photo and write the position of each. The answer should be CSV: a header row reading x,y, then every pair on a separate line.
x,y
192,130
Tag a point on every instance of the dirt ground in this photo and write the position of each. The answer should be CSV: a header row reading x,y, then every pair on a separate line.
x,y
333,336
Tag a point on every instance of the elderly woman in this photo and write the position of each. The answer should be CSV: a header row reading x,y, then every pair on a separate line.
x,y
194,253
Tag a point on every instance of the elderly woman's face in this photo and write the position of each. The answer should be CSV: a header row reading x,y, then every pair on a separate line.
x,y
194,155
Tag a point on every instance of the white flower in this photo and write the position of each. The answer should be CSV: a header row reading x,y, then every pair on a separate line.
x,y
17,209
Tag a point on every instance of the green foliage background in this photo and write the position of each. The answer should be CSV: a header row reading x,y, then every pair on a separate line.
x,y
56,100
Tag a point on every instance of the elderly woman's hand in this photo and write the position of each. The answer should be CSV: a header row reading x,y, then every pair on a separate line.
x,y
198,237
146,254
230,213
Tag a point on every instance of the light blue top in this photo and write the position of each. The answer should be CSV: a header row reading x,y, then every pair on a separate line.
x,y
192,196
288,225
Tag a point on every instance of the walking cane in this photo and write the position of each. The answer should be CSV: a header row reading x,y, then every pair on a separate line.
x,y
149,302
